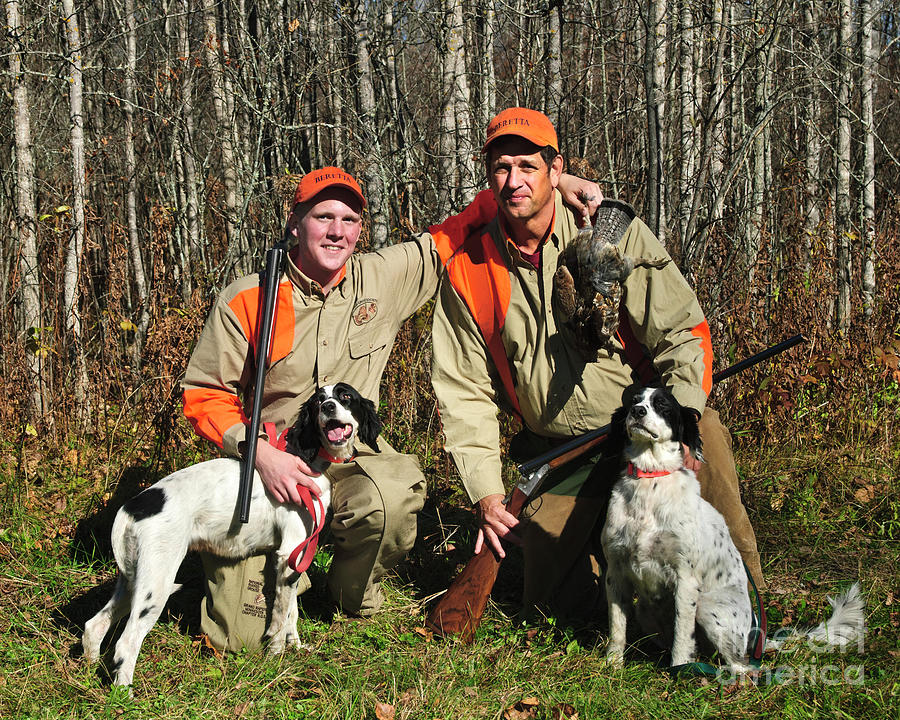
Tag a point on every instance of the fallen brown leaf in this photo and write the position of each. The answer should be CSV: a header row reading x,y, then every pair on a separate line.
x,y
207,646
514,713
524,709
563,711
240,709
384,711
865,494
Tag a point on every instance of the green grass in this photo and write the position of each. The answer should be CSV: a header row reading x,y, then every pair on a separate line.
x,y
817,532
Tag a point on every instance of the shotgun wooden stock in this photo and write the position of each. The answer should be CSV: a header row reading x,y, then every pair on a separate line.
x,y
459,610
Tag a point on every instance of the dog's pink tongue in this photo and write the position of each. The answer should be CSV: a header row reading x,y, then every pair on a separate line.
x,y
339,433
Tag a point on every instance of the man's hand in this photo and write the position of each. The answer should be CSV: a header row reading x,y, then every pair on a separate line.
x,y
281,472
495,523
690,462
582,195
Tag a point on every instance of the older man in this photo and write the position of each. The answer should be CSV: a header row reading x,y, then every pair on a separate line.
x,y
338,313
498,341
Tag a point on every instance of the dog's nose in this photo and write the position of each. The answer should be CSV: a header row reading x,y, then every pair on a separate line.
x,y
328,407
638,411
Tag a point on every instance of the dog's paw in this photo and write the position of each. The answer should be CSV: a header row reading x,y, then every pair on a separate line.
x,y
275,646
614,659
275,642
90,653
298,646
681,659
90,646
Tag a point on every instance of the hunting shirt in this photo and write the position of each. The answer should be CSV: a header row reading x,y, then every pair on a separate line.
x,y
560,394
318,340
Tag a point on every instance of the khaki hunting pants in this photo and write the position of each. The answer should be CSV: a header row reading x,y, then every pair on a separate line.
x,y
563,555
375,501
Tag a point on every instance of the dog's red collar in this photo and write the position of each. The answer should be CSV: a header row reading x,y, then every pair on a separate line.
x,y
325,455
634,471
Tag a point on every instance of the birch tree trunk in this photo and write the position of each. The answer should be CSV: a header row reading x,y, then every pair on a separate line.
x,y
812,118
134,244
688,107
397,192
225,127
868,13
520,59
189,163
32,327
655,85
712,157
488,79
371,152
461,105
760,157
553,82
336,60
72,274
842,171
718,146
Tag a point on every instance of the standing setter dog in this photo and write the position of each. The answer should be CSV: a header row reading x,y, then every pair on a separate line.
x,y
196,509
668,546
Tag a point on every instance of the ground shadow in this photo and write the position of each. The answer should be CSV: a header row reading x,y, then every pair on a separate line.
x,y
444,544
182,607
91,540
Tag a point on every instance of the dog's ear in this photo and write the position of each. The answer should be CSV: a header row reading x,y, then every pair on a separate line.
x,y
690,432
369,424
303,438
618,437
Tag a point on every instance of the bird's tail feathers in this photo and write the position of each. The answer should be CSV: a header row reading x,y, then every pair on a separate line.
x,y
846,625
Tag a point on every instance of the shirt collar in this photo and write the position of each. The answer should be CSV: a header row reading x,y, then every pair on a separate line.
x,y
307,286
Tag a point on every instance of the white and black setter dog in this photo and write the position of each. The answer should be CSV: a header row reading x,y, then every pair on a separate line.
x,y
196,509
672,549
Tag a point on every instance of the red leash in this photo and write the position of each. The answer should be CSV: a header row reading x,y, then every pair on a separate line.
x,y
306,550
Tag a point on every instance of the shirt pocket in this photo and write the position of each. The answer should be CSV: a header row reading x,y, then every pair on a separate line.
x,y
369,338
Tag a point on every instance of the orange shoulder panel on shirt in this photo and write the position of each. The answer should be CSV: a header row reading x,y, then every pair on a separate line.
x,y
450,235
481,278
246,306
701,331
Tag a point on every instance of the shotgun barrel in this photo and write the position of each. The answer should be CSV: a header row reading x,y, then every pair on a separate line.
x,y
265,322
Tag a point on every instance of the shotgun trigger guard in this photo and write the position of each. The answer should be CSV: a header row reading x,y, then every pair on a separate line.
x,y
530,482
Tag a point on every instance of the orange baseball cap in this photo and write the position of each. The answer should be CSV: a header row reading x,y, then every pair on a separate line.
x,y
532,125
316,181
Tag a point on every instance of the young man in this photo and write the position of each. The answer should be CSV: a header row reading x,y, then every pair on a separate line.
x,y
496,335
337,315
